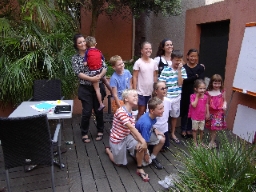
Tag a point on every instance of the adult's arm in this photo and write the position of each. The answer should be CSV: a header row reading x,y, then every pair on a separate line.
x,y
88,78
76,64
201,74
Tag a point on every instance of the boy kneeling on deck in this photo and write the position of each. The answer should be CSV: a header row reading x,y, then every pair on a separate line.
x,y
124,136
145,126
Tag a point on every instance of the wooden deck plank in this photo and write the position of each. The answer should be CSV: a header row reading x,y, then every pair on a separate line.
x,y
83,160
88,167
71,158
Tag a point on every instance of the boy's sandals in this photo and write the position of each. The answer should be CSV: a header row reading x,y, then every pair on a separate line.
x,y
99,137
143,175
85,139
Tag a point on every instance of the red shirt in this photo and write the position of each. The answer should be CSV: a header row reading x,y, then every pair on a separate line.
x,y
94,58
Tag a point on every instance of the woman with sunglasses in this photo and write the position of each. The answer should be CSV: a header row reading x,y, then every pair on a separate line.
x,y
159,91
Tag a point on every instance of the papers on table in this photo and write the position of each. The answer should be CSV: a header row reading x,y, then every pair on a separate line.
x,y
48,105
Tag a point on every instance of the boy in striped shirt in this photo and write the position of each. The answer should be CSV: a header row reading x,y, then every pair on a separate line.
x,y
173,77
125,137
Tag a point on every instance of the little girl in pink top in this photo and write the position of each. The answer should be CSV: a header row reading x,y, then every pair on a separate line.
x,y
198,110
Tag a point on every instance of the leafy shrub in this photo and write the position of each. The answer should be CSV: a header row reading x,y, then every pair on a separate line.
x,y
229,168
35,43
128,65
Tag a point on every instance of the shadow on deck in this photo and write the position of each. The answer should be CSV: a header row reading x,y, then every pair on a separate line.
x,y
89,169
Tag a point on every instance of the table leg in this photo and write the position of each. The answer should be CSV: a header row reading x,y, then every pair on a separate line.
x,y
59,143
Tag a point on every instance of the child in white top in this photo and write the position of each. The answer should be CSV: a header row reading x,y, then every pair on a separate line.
x,y
163,55
161,124
144,75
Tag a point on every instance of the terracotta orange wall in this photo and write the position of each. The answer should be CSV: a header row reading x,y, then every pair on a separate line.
x,y
114,37
239,13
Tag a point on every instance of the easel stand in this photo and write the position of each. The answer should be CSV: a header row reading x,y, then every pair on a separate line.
x,y
234,89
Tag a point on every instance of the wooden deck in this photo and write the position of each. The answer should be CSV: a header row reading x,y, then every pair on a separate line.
x,y
89,169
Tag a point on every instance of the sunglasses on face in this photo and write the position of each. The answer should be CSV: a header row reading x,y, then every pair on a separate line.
x,y
163,88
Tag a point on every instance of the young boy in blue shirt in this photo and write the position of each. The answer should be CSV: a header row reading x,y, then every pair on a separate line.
x,y
119,81
145,126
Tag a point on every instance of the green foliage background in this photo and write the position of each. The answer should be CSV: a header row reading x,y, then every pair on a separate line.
x,y
229,168
35,43
36,39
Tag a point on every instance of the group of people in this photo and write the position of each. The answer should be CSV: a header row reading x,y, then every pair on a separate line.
x,y
162,89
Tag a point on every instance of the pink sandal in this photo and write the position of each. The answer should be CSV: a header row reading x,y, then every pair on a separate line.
x,y
144,176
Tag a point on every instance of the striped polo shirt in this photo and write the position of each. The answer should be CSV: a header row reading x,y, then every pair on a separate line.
x,y
170,76
119,129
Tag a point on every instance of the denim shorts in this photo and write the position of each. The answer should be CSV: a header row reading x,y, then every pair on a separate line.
x,y
143,100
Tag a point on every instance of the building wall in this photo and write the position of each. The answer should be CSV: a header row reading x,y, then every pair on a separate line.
x,y
114,36
239,13
173,27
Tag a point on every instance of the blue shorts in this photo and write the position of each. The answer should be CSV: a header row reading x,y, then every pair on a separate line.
x,y
143,100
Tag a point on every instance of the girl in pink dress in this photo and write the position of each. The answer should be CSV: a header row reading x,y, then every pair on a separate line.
x,y
198,110
217,106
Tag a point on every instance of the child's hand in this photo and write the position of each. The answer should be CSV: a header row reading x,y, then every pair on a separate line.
x,y
180,66
224,107
99,76
141,146
159,133
207,116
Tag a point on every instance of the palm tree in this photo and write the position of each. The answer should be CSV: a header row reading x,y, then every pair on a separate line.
x,y
35,43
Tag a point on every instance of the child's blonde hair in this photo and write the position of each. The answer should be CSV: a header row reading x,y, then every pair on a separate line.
x,y
90,41
127,92
114,59
216,78
153,102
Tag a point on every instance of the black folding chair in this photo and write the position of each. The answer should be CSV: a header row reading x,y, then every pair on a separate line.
x,y
47,90
27,141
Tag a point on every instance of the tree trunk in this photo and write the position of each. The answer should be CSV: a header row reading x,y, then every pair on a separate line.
x,y
140,33
95,16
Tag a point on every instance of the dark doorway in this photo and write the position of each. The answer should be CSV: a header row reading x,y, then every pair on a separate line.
x,y
213,47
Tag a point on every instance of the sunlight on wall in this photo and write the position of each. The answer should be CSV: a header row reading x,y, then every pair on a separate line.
x,y
208,2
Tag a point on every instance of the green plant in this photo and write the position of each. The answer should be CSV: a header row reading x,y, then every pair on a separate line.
x,y
229,168
35,43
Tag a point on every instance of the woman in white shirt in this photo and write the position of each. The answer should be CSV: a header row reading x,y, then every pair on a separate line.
x,y
163,55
